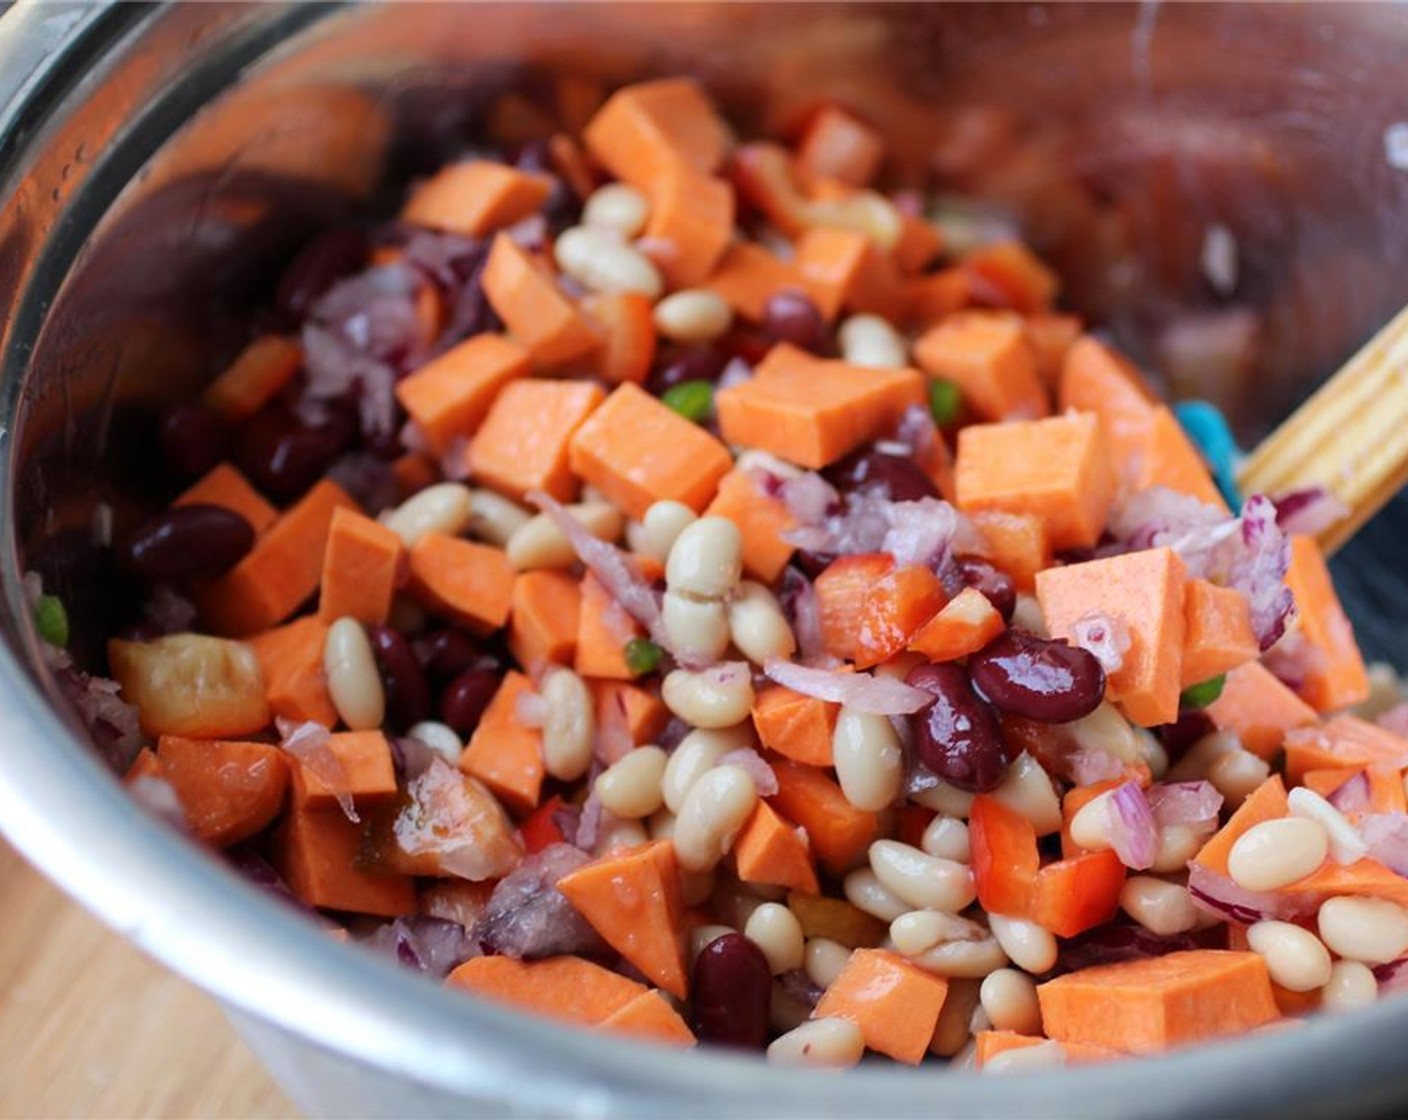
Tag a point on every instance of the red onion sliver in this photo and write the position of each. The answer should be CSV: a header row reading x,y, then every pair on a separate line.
x,y
1086,767
308,742
1104,636
1307,512
1132,832
862,692
1219,895
1184,803
613,731
1395,720
158,797
589,823
751,762
1353,795
1386,837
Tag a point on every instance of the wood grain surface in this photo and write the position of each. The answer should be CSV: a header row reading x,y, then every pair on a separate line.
x,y
90,1027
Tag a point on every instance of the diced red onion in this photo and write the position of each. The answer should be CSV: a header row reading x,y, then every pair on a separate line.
x,y
1307,512
1353,795
800,601
411,757
527,917
530,232
168,610
809,498
1132,832
1086,766
309,743
1395,720
862,692
368,478
1184,803
921,532
157,796
613,731
1392,977
735,372
1219,895
1385,835
430,945
113,723
1104,636
589,822
751,762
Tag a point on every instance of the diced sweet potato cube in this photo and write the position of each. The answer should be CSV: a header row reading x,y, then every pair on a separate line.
x,y
643,713
637,451
316,850
449,396
987,355
476,196
291,661
1143,591
1335,676
690,226
502,753
1097,379
542,624
1057,470
799,727
747,275
466,582
895,1004
935,296
1342,741
603,630
839,832
359,569
225,487
1170,460
644,129
254,378
1024,279
1051,337
771,851
838,146
538,316
523,442
650,1017
1017,543
364,772
569,989
1259,708
762,519
1217,634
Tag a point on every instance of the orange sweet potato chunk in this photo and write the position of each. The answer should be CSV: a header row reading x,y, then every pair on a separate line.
x,y
1342,741
449,396
359,569
538,315
761,519
1051,337
568,989
229,790
1017,543
1336,677
542,622
935,296
503,754
603,630
989,1044
225,487
839,833
364,767
747,275
987,355
1023,280
1259,708
690,226
476,196
1095,378
836,145
633,900
771,851
964,625
291,661
796,726
1217,635
645,129
895,1004
1144,591
280,572
467,582
1170,460
1056,469
650,1017
254,378
316,850
810,411
638,451
1153,1005
643,712
1265,803
523,443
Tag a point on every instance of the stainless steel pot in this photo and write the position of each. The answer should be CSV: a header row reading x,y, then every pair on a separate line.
x,y
156,163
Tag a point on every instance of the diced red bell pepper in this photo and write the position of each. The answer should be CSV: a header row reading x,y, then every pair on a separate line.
x,y
1077,894
1005,857
538,829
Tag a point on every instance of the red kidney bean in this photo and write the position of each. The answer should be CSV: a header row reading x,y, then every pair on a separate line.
x,y
316,267
1038,678
186,541
193,440
463,702
402,678
446,654
791,316
898,475
1178,737
996,587
957,736
693,363
731,992
284,457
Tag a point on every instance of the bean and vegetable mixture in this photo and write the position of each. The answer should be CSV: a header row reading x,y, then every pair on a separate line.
x,y
656,583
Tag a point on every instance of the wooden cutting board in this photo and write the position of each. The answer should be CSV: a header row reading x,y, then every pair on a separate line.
x,y
90,1027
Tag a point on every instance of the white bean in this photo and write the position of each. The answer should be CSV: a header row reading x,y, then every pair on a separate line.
x,y
538,543
1009,998
664,521
1031,947
828,1043
946,799
1107,731
1346,846
620,836
868,759
354,685
757,625
963,958
1294,956
1274,854
719,696
922,880
1372,930
442,508
825,960
777,932
1195,762
630,787
864,891
870,341
1028,791
601,260
1351,985
569,725
714,810
1090,827
918,931
1178,843
706,560
693,315
947,838
1027,1059
1027,616
439,737
1235,774
697,629
661,825
1158,905
494,518
695,754
617,206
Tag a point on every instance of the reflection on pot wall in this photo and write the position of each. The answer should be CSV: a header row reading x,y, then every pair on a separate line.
x,y
1211,181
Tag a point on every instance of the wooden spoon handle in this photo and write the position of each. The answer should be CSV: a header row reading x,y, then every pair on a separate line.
x,y
1351,436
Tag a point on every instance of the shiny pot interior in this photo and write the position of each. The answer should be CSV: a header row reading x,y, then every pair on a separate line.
x,y
160,163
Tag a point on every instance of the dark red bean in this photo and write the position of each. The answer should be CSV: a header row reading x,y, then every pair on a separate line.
x,y
186,541
696,363
791,316
463,702
957,736
193,440
402,678
996,587
1178,737
284,457
898,475
1038,678
731,992
316,267
448,653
